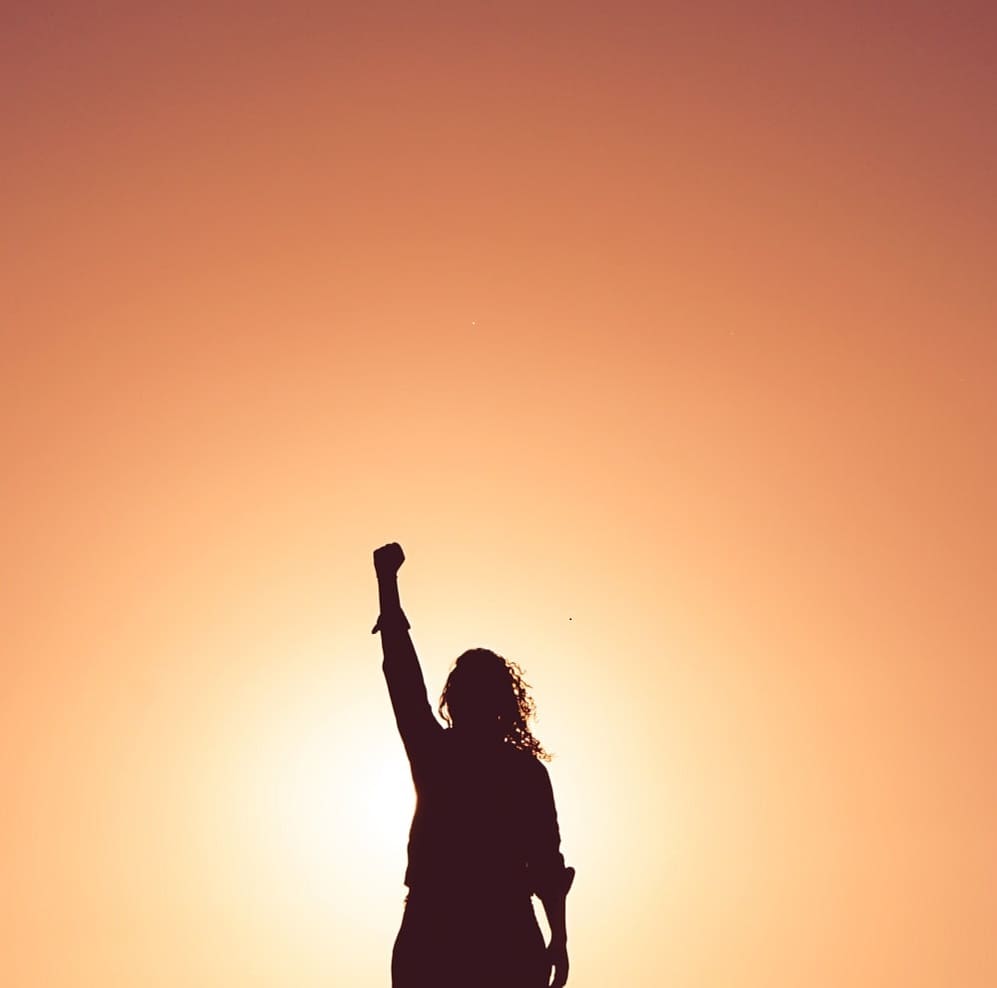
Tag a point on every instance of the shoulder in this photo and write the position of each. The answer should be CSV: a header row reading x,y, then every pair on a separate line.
x,y
528,765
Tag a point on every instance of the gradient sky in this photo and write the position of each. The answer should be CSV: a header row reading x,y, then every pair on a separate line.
x,y
662,338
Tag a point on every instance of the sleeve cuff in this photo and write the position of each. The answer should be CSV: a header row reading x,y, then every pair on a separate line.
x,y
556,883
391,619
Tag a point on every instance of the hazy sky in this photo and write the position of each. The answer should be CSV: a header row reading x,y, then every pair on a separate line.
x,y
662,338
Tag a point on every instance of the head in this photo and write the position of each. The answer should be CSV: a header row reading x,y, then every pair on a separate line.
x,y
485,697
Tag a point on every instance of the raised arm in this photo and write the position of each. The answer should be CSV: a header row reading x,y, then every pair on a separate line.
x,y
402,671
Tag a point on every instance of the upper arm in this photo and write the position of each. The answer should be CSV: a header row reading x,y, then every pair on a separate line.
x,y
407,690
545,859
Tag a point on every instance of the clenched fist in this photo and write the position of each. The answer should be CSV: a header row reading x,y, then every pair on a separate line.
x,y
388,559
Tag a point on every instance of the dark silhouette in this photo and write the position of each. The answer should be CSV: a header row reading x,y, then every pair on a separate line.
x,y
484,837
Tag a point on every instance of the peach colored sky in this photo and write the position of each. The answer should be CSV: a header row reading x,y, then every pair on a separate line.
x,y
678,324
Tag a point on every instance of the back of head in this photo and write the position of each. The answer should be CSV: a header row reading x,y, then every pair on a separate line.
x,y
486,698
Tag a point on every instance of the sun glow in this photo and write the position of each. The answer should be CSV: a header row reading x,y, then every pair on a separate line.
x,y
337,800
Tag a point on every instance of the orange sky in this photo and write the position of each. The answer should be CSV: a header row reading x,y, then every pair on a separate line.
x,y
664,343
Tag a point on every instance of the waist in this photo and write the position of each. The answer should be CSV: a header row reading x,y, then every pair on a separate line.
x,y
470,905
471,883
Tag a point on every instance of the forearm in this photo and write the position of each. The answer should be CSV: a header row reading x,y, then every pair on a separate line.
x,y
390,613
387,594
554,907
553,896
396,643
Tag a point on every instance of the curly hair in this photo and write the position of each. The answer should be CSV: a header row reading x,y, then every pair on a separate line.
x,y
484,680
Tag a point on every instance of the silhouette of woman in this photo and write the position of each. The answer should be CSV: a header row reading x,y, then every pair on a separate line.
x,y
484,837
